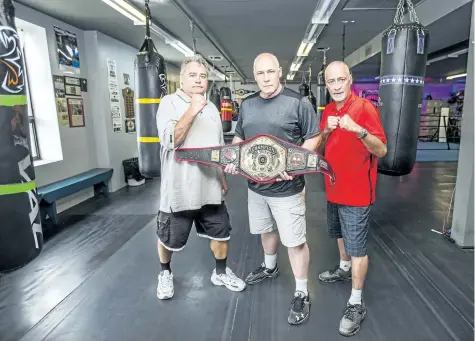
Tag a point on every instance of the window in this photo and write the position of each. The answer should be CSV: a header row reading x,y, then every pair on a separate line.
x,y
35,151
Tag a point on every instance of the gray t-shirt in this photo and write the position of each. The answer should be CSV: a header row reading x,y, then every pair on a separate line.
x,y
288,116
186,185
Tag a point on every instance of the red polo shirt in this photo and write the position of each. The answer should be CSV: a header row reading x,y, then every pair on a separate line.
x,y
354,166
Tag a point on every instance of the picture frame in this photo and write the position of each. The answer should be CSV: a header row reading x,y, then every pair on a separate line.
x,y
76,112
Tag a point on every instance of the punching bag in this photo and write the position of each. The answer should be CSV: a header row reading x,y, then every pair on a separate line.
x,y
21,236
226,108
304,89
404,51
313,100
150,87
213,96
323,96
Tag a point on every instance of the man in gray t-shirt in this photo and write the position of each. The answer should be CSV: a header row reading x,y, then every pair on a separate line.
x,y
191,194
287,115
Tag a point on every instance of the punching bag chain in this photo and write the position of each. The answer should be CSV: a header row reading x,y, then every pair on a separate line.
x,y
192,27
398,18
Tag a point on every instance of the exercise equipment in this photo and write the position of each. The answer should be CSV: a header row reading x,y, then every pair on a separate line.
x,y
304,89
213,96
404,52
21,236
261,158
150,87
226,108
323,96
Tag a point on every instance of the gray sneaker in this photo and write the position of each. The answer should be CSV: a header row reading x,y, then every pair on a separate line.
x,y
337,274
350,323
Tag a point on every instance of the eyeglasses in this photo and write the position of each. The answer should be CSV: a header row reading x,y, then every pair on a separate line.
x,y
338,81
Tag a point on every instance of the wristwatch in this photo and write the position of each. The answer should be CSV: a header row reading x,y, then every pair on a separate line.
x,y
364,133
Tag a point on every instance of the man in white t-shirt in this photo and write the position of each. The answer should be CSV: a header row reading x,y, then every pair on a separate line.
x,y
190,192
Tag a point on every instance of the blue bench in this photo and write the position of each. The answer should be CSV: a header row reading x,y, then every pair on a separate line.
x,y
49,194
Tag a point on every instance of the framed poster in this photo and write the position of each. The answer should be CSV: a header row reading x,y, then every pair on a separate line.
x,y
67,49
76,112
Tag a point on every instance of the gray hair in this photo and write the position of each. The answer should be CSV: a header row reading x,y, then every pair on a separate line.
x,y
197,59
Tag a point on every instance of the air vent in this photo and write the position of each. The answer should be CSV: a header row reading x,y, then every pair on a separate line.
x,y
216,58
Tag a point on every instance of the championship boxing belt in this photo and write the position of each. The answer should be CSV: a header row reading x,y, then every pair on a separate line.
x,y
261,158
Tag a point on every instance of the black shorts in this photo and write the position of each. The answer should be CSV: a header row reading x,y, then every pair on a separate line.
x,y
350,223
211,221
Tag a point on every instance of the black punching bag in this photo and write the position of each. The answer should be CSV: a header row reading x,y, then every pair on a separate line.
x,y
313,100
213,96
304,89
150,87
323,96
403,65
226,108
21,237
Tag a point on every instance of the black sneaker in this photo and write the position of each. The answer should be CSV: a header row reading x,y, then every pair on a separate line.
x,y
261,273
300,308
337,274
350,323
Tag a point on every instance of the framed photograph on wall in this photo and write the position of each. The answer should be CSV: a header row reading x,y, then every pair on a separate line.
x,y
76,112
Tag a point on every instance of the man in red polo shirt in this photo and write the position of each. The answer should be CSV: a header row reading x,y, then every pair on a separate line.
x,y
354,140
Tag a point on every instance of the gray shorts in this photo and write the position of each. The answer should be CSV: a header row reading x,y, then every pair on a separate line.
x,y
288,213
350,223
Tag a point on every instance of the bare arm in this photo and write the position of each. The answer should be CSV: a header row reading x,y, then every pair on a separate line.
x,y
183,127
237,139
313,143
373,144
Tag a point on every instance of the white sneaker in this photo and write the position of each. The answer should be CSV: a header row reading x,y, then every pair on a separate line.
x,y
165,288
229,280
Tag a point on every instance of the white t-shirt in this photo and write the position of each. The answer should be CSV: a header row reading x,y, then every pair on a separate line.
x,y
186,185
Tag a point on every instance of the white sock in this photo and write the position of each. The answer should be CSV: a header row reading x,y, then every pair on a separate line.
x,y
345,264
355,297
301,285
271,261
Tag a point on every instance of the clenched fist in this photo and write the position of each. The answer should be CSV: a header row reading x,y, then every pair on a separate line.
x,y
198,102
332,123
346,123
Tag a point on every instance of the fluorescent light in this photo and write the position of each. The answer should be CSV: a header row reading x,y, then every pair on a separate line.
x,y
182,48
304,49
295,67
323,11
126,9
457,76
178,45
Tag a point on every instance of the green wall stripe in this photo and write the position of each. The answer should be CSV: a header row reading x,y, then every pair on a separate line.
x,y
11,100
17,188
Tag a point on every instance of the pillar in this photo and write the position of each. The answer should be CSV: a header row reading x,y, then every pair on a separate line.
x,y
462,220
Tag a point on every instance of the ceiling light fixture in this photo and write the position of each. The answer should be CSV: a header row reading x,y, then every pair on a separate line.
x,y
139,19
320,18
456,76
126,9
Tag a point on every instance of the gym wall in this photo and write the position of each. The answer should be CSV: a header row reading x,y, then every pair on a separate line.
x,y
95,145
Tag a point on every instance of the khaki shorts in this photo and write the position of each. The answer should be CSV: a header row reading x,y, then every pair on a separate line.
x,y
288,213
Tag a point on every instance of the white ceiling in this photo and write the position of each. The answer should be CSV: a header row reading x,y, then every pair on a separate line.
x,y
241,29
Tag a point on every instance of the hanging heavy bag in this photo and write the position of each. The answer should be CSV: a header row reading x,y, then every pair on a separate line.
x,y
304,89
404,51
213,96
21,237
151,87
226,108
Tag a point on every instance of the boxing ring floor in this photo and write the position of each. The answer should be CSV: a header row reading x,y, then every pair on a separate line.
x,y
96,278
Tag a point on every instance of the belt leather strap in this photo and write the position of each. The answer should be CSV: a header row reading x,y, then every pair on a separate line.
x,y
261,158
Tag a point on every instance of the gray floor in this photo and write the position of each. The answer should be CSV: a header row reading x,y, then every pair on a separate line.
x,y
96,277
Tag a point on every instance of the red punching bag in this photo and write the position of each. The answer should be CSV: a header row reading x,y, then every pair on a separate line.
x,y
226,109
